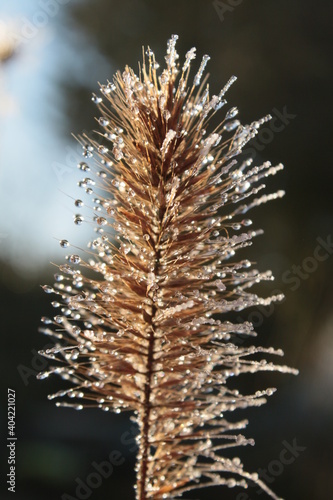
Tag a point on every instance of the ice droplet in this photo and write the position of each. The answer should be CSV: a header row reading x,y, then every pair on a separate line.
x,y
231,125
45,320
246,222
102,149
231,113
78,219
243,187
75,354
101,221
87,151
96,99
76,330
104,122
83,166
75,259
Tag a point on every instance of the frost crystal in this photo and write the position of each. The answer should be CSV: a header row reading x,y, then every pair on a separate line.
x,y
145,328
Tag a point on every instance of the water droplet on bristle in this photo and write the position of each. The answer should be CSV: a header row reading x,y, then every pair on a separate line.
x,y
96,99
101,221
241,188
231,113
160,271
75,259
76,330
78,219
102,149
83,166
231,125
104,122
46,320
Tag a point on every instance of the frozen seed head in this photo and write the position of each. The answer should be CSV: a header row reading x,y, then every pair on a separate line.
x,y
141,321
201,70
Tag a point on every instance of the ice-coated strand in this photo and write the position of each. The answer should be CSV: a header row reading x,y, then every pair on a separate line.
x,y
139,319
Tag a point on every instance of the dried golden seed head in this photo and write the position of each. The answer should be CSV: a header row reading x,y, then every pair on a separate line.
x,y
140,321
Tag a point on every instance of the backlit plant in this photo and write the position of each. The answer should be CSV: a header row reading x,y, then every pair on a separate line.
x,y
142,323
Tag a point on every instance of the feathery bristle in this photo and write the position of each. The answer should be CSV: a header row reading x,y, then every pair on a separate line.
x,y
141,325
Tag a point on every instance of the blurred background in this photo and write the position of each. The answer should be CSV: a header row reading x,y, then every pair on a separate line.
x,y
52,54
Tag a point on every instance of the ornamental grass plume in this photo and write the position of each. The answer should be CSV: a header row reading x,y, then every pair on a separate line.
x,y
143,311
